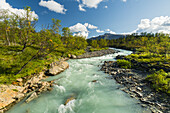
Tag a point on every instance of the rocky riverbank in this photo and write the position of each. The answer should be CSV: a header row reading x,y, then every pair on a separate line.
x,y
29,87
133,82
94,54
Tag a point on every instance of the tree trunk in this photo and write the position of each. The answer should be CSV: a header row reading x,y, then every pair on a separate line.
x,y
25,45
7,38
26,64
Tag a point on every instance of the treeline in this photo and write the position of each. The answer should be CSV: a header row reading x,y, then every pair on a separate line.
x,y
24,51
153,54
158,43
98,43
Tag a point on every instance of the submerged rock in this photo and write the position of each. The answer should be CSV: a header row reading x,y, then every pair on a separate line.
x,y
69,99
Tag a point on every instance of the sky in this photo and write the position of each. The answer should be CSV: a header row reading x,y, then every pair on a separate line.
x,y
95,17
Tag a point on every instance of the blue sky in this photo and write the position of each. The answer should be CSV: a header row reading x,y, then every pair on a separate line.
x,y
94,17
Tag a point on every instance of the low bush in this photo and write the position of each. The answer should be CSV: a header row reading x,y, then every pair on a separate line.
x,y
160,81
124,64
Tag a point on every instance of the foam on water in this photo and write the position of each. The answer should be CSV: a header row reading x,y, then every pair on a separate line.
x,y
68,108
60,89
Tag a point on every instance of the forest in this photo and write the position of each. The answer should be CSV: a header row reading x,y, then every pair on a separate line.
x,y
25,51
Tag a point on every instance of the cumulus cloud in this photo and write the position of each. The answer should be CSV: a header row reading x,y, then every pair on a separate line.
x,y
82,29
81,7
99,31
111,32
88,3
53,6
157,24
90,26
20,12
79,29
124,0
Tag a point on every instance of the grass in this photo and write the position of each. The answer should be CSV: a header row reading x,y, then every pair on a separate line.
x,y
12,59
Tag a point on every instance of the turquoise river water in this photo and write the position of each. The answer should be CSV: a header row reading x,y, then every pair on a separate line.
x,y
102,96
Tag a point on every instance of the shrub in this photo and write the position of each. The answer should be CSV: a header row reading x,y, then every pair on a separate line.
x,y
124,64
160,81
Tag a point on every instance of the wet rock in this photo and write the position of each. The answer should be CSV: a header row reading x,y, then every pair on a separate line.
x,y
31,97
94,81
68,100
120,56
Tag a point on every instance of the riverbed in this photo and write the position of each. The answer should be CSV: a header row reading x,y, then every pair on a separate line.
x,y
90,90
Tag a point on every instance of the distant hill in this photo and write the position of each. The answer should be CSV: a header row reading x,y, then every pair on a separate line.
x,y
108,36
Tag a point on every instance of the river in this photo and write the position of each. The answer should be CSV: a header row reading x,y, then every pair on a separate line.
x,y
102,96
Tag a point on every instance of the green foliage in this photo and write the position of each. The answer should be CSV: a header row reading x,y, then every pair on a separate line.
x,y
124,64
160,81
147,42
24,52
94,44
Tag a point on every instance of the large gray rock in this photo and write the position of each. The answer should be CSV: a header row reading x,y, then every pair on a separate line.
x,y
56,69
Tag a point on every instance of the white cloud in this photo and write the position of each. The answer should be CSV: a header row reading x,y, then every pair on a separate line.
x,y
79,29
20,12
53,6
88,3
111,32
99,31
157,24
82,29
107,29
90,26
106,7
124,0
81,7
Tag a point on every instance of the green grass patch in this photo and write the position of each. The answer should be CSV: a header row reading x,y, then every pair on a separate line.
x,y
124,64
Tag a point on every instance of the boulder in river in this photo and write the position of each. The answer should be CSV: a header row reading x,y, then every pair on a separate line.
x,y
69,99
58,68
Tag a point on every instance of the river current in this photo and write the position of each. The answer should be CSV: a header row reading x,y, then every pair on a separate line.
x,y
101,96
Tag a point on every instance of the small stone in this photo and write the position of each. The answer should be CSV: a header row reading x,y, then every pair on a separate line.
x,y
1,111
138,88
19,80
49,89
25,91
94,81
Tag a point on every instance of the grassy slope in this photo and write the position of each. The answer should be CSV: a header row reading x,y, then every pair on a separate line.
x,y
12,59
